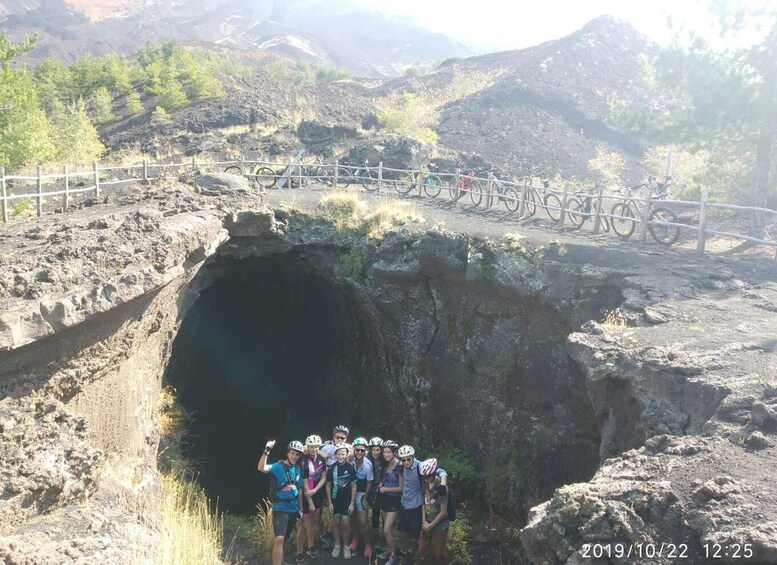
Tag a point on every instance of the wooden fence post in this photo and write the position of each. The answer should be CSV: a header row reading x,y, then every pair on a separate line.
x,y
4,194
96,180
522,199
40,191
242,164
380,176
337,166
646,215
456,184
489,189
702,239
598,211
564,200
145,171
67,190
194,165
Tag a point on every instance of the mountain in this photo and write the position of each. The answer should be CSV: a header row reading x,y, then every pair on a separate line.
x,y
334,33
543,110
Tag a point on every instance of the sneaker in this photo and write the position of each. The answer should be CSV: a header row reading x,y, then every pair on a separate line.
x,y
300,558
367,551
336,551
312,553
346,552
392,560
385,555
354,544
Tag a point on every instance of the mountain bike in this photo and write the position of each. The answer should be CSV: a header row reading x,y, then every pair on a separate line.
x,y
263,174
431,183
467,183
507,194
624,213
579,208
366,176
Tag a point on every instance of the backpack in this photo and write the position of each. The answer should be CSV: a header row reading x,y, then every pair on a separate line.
x,y
275,489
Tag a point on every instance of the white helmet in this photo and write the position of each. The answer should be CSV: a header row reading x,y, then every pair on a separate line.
x,y
296,446
406,451
314,441
428,467
376,442
359,441
346,446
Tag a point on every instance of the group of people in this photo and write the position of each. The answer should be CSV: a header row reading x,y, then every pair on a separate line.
x,y
376,477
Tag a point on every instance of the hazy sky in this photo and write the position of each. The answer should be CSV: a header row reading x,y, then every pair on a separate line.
x,y
513,24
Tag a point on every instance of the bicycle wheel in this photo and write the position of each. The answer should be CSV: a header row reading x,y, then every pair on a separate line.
x,y
529,203
664,234
233,170
432,186
327,176
368,178
604,225
575,212
405,184
511,200
475,192
553,207
623,220
453,190
266,176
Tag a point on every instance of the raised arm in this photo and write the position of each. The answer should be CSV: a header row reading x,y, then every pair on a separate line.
x,y
262,465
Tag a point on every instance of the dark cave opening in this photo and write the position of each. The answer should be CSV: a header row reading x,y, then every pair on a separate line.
x,y
257,357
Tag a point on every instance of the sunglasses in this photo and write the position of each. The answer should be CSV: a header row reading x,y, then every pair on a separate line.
x,y
406,459
341,438
360,450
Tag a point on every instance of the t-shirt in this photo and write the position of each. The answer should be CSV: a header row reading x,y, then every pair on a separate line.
x,y
312,470
285,482
412,491
341,477
432,502
392,480
363,474
328,451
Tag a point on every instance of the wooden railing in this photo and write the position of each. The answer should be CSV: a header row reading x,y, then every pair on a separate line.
x,y
522,199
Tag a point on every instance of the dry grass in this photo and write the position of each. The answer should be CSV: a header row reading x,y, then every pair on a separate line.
x,y
614,319
512,242
263,530
190,531
350,213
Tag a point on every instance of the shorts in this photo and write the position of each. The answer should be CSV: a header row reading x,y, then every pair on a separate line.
x,y
283,523
341,504
360,502
389,503
318,502
410,521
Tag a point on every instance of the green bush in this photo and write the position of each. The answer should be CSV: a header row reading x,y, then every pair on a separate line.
x,y
19,207
412,117
458,548
461,470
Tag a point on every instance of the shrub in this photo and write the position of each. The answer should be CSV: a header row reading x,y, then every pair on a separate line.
x,y
160,116
410,116
461,469
458,548
19,207
387,216
342,207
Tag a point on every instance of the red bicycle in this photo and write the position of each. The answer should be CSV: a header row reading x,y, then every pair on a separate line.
x,y
467,184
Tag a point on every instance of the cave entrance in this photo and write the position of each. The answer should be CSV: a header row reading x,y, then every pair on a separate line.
x,y
261,354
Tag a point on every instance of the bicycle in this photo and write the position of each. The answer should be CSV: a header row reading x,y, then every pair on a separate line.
x,y
467,184
367,176
263,174
579,209
507,194
431,183
624,213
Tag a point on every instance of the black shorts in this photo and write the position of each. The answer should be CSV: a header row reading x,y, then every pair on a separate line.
x,y
341,504
318,502
410,521
283,523
389,503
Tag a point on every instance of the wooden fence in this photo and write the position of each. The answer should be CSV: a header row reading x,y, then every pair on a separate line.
x,y
521,198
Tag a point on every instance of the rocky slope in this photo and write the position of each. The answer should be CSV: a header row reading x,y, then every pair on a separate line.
x,y
681,390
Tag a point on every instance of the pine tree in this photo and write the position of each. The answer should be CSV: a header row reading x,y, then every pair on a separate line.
x,y
101,105
134,105
77,139
160,116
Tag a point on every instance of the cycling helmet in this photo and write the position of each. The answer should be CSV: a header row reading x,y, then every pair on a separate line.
x,y
296,446
428,467
315,441
327,442
343,445
406,451
392,444
376,441
340,429
360,441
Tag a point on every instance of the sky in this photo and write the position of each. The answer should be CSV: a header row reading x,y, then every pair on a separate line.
x,y
515,24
